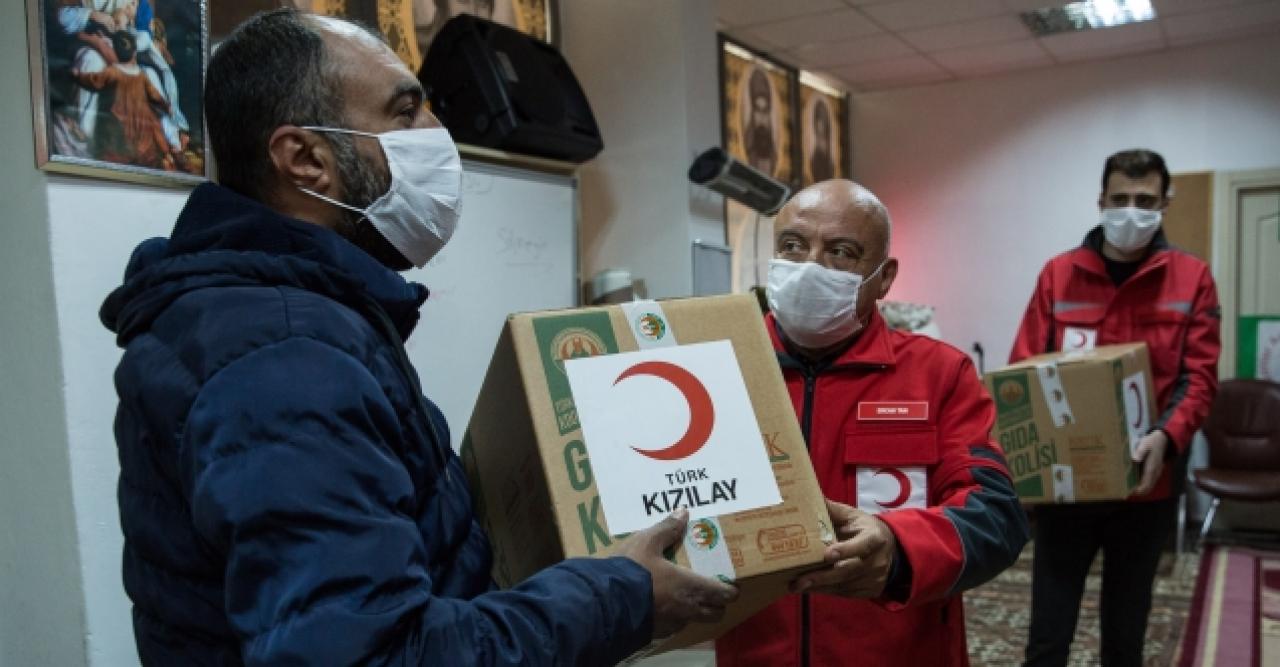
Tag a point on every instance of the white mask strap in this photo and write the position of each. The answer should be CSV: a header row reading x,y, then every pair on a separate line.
x,y
338,130
331,200
358,133
873,273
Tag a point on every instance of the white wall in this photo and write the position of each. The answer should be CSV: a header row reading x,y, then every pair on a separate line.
x,y
94,227
649,70
41,608
987,179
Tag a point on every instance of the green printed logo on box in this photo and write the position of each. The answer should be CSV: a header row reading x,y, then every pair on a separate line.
x,y
1013,398
570,337
1031,487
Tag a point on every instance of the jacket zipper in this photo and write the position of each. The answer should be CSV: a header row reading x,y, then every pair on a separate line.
x,y
806,423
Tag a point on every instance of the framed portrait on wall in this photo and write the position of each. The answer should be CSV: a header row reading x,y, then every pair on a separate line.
x,y
758,127
757,101
408,25
824,131
117,88
531,17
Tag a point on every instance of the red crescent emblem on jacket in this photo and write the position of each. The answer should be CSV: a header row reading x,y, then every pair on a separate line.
x,y
904,488
702,413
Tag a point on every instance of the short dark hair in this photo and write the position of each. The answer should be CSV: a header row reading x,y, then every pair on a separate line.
x,y
1136,163
125,45
271,71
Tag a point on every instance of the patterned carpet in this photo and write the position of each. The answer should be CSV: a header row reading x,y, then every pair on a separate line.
x,y
997,614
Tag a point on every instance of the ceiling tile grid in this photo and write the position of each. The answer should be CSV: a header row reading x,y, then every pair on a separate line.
x,y
880,44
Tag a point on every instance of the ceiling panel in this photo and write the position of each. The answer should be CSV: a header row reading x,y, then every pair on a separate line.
x,y
1094,43
875,44
911,67
1240,19
910,14
979,60
738,13
1018,6
1005,28
1174,7
824,27
867,49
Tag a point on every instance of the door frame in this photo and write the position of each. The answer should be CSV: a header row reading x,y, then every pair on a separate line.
x,y
1226,248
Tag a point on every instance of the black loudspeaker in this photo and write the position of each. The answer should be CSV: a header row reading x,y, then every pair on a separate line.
x,y
496,87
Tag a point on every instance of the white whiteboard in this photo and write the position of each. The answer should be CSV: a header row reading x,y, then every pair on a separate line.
x,y
515,250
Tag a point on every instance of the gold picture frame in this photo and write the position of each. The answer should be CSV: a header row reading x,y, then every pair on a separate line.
x,y
117,88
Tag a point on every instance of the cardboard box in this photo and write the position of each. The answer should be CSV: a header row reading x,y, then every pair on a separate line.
x,y
1069,422
533,482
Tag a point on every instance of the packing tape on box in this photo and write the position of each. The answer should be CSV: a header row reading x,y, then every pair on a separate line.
x,y
649,324
1055,397
1136,414
708,550
704,538
1064,483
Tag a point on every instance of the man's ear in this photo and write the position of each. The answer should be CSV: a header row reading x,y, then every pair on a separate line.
x,y
887,275
302,159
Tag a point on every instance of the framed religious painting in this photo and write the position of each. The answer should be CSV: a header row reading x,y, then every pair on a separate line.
x,y
408,25
117,88
536,18
824,131
757,122
757,102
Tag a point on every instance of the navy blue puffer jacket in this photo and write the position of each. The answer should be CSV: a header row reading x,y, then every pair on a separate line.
x,y
287,494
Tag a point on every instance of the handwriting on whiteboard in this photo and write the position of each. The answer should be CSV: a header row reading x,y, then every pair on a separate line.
x,y
476,184
517,247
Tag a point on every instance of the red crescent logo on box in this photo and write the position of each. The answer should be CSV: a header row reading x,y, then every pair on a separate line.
x,y
702,413
1137,399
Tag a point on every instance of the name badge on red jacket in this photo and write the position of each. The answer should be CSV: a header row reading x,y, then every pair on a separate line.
x,y
893,411
887,488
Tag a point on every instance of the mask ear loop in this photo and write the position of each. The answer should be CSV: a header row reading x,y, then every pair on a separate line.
x,y
318,128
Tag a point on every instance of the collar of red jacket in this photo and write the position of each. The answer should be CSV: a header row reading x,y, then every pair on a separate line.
x,y
870,347
1089,255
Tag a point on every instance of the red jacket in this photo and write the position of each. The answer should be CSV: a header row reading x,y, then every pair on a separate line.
x,y
1170,303
900,425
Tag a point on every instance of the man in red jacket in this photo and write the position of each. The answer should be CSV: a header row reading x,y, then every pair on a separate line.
x,y
1123,284
898,428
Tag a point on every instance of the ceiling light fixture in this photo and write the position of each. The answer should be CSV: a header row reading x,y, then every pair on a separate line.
x,y
1087,15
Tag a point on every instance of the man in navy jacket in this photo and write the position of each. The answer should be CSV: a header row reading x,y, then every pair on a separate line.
x,y
287,494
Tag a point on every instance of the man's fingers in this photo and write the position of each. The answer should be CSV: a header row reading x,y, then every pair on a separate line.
x,y
861,545
840,512
1150,473
837,576
710,614
671,529
705,591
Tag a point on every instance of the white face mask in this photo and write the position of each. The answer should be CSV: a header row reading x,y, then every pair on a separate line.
x,y
1129,229
419,212
816,307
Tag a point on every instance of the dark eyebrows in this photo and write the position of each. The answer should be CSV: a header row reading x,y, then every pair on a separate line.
x,y
862,250
406,88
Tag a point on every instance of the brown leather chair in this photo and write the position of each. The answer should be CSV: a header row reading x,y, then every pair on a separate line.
x,y
1243,430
